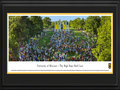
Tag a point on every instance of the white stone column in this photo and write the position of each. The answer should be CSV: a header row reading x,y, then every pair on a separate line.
x,y
55,27
63,26
66,26
60,25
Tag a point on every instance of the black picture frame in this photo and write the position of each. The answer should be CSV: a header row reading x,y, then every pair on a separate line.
x,y
60,81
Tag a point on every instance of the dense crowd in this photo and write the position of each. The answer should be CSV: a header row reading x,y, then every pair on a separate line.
x,y
63,46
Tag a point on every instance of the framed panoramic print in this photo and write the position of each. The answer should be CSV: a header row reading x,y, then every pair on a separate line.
x,y
60,44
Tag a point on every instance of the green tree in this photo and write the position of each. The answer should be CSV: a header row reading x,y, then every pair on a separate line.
x,y
30,27
77,23
82,23
103,49
92,23
38,24
18,27
52,24
17,32
46,22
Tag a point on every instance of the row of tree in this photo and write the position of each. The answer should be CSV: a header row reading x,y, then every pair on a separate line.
x,y
90,24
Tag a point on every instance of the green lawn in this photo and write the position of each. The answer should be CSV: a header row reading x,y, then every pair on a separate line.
x,y
81,36
46,39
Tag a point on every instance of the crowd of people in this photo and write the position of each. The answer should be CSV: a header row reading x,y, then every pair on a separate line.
x,y
63,46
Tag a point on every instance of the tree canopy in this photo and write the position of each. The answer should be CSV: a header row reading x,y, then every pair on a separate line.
x,y
38,24
46,22
103,50
92,23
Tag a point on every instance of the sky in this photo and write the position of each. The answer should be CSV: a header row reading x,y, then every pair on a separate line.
x,y
62,17
68,18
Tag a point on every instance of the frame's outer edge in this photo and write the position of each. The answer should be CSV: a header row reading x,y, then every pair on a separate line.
x,y
60,1
44,2
0,44
119,44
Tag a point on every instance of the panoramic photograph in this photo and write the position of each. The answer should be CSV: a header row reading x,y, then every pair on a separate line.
x,y
60,38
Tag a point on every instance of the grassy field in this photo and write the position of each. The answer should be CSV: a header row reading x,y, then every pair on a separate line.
x,y
46,39
82,36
